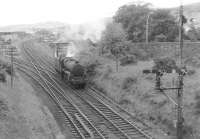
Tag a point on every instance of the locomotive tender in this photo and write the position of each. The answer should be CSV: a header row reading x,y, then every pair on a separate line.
x,y
72,71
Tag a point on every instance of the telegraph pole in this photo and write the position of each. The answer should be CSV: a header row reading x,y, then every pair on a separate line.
x,y
12,51
180,79
181,72
12,67
147,29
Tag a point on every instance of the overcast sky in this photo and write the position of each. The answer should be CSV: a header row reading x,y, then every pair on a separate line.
x,y
69,11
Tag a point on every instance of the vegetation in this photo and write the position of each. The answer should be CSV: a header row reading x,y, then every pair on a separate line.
x,y
129,27
129,59
113,40
134,20
193,33
165,64
113,37
163,25
5,66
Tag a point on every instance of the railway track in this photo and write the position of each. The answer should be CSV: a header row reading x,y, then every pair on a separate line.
x,y
114,128
86,127
80,126
93,92
119,118
96,93
130,130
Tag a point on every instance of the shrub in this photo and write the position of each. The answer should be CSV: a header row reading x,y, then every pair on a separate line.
x,y
139,53
165,64
197,105
124,101
193,61
107,72
2,77
128,82
5,66
8,69
149,77
91,68
191,72
128,60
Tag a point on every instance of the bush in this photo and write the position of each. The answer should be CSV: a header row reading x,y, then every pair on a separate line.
x,y
149,77
197,105
124,101
8,69
2,77
128,82
193,61
128,60
107,72
139,53
165,64
191,72
5,66
91,67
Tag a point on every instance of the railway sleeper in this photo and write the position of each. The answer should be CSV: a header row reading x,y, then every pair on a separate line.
x,y
119,135
103,133
119,116
82,123
115,117
106,111
124,124
128,129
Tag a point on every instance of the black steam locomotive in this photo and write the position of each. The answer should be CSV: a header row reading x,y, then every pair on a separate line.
x,y
72,71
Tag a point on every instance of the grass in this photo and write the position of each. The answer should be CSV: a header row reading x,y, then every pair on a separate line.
x,y
135,92
22,113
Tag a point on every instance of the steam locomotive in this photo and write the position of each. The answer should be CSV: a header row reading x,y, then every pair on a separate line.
x,y
72,71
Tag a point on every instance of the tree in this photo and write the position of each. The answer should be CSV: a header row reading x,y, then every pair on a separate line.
x,y
133,18
113,36
194,32
113,39
163,23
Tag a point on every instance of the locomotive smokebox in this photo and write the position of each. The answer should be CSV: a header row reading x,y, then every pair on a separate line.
x,y
72,71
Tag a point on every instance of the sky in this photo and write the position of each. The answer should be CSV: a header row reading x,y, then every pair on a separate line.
x,y
68,11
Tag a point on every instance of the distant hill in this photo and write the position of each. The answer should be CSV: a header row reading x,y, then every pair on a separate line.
x,y
91,30
31,27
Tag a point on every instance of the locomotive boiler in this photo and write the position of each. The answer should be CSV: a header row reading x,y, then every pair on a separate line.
x,y
72,71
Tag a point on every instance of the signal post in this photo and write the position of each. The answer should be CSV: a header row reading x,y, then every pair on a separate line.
x,y
181,71
12,52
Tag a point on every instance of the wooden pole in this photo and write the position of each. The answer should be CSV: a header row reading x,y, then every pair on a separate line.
x,y
11,52
180,85
147,30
